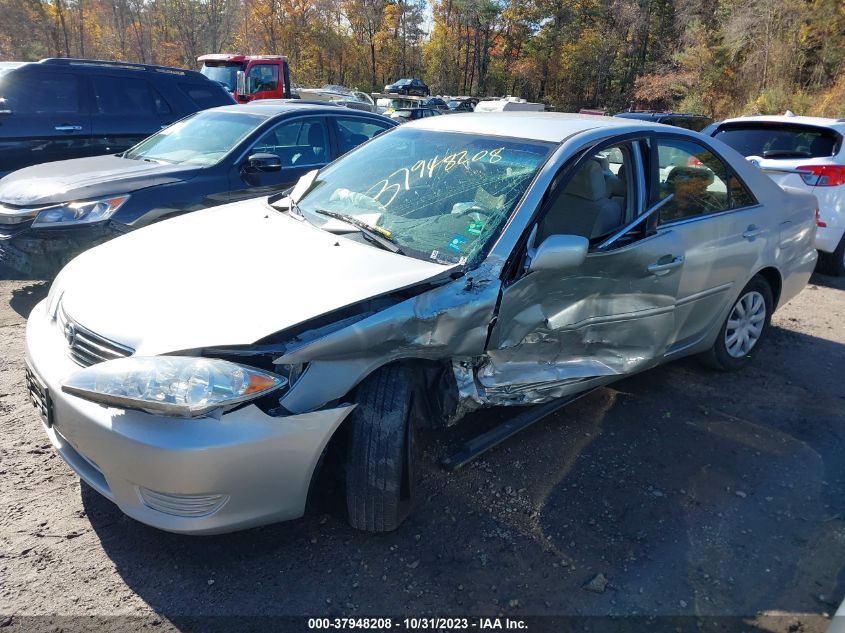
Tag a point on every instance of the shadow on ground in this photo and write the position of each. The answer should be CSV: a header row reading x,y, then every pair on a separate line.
x,y
692,492
24,299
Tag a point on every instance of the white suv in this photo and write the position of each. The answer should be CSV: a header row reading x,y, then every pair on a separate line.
x,y
803,152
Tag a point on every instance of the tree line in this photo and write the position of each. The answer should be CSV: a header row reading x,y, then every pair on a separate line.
x,y
717,57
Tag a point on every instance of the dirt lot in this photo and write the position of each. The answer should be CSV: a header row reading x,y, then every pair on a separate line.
x,y
692,492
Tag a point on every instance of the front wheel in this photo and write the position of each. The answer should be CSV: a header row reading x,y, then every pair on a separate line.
x,y
380,461
744,328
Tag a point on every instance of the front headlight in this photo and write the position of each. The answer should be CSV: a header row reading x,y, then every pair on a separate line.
x,y
176,386
79,212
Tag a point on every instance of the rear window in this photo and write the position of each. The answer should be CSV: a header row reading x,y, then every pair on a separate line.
x,y
42,93
780,141
207,96
127,96
694,123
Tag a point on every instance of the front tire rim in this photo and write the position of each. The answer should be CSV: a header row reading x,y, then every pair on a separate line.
x,y
745,324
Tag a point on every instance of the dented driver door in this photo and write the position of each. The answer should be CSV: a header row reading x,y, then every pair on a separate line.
x,y
560,332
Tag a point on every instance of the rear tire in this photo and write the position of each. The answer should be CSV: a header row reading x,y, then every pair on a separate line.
x,y
744,328
833,263
380,464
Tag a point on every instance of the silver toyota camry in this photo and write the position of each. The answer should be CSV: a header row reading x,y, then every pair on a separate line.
x,y
197,371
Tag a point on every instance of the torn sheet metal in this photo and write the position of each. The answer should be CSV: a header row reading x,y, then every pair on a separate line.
x,y
443,323
555,337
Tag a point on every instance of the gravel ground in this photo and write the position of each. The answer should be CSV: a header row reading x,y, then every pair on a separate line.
x,y
678,492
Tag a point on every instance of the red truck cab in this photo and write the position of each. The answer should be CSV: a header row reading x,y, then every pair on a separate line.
x,y
249,77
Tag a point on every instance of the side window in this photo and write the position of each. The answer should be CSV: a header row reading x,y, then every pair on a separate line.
x,y
205,97
298,143
262,77
352,132
127,96
43,93
597,200
700,182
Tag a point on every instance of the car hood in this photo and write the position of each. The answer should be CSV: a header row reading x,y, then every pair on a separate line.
x,y
230,275
86,179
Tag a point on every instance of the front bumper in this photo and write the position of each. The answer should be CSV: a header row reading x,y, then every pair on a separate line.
x,y
200,476
828,237
43,252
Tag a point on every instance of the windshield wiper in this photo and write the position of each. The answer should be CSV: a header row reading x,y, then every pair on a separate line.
x,y
374,234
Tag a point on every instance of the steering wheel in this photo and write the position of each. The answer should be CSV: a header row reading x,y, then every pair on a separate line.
x,y
475,209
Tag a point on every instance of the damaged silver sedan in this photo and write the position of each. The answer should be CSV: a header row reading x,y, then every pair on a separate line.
x,y
196,372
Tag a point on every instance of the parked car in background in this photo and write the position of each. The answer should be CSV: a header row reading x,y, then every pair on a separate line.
x,y
688,121
408,87
803,152
338,95
403,115
388,105
435,102
508,104
461,105
58,109
50,213
454,263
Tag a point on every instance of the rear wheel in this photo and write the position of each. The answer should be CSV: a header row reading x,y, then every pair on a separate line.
x,y
380,458
744,328
833,263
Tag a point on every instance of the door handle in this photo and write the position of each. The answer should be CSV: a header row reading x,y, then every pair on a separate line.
x,y
751,232
661,269
68,128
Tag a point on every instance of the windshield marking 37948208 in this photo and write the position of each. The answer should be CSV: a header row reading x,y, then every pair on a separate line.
x,y
436,196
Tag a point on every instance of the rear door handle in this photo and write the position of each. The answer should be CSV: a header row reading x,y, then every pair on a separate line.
x,y
661,269
751,232
68,128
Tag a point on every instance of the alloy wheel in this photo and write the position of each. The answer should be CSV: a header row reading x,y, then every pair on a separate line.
x,y
745,324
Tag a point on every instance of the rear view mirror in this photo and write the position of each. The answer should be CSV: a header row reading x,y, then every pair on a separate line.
x,y
559,252
264,162
241,82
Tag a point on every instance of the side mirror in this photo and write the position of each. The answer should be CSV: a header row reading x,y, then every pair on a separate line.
x,y
559,252
263,162
241,82
4,106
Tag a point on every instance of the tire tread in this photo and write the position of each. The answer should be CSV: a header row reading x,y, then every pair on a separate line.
x,y
377,449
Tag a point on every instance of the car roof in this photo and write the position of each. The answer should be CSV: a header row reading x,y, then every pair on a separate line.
x,y
818,121
648,116
107,66
272,107
539,126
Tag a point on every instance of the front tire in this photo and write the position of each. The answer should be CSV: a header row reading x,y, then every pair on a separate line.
x,y
744,328
380,464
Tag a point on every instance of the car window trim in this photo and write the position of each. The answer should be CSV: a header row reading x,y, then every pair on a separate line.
x,y
707,216
731,172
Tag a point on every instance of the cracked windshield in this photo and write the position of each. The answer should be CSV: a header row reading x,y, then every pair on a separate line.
x,y
433,195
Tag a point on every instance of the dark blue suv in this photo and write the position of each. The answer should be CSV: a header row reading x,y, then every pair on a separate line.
x,y
57,109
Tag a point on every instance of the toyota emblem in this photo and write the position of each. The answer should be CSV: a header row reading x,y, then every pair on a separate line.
x,y
70,334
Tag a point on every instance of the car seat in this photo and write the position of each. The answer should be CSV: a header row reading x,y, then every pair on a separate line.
x,y
317,141
584,207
